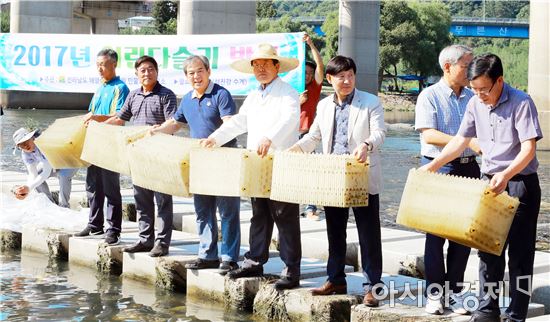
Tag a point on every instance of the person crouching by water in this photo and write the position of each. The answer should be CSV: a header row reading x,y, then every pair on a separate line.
x,y
39,170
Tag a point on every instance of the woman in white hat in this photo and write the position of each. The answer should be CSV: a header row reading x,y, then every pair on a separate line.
x,y
270,115
39,170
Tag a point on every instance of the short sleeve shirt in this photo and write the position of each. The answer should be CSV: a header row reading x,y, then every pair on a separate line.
x,y
437,107
501,129
109,97
204,115
308,109
151,108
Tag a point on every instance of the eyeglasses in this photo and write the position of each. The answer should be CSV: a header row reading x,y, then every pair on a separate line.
x,y
483,92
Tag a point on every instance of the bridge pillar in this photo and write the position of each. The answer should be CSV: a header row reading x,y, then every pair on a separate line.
x,y
41,16
539,67
359,24
216,17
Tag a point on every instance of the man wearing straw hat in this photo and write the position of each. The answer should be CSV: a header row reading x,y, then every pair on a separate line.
x,y
270,115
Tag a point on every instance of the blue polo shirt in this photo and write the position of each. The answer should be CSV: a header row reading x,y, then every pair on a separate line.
x,y
109,97
204,115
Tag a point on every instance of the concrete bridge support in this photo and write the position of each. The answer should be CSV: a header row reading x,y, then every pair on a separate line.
x,y
359,39
216,17
41,16
539,66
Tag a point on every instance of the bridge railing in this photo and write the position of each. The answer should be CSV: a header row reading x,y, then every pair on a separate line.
x,y
492,21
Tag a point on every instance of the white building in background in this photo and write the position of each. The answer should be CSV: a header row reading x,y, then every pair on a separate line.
x,y
136,23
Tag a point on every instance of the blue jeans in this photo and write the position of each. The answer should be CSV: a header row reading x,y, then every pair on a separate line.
x,y
457,254
207,226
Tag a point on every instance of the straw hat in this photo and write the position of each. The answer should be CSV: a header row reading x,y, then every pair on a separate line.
x,y
265,51
22,135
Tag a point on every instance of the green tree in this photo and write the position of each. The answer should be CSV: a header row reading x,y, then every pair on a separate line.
x,y
265,9
434,23
399,36
283,24
523,13
330,28
164,12
5,21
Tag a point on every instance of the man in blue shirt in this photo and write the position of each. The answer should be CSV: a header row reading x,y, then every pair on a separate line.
x,y
205,108
101,183
439,111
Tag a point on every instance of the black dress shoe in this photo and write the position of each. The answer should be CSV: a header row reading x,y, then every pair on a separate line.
x,y
253,271
203,264
481,317
159,250
227,266
138,248
286,283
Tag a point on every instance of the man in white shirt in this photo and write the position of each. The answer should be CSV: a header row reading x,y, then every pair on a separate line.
x,y
39,170
270,115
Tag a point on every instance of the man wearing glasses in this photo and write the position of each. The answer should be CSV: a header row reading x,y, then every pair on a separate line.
x,y
439,111
506,124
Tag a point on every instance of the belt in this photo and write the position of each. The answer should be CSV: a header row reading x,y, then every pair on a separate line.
x,y
517,177
462,160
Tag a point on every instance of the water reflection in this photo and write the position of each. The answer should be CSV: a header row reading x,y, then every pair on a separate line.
x,y
33,288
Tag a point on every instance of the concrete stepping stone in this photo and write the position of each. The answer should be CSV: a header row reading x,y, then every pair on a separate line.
x,y
300,305
9,240
166,272
403,312
240,293
52,242
95,253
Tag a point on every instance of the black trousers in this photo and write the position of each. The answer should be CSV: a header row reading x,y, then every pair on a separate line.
x,y
101,183
521,253
367,220
266,212
145,208
457,254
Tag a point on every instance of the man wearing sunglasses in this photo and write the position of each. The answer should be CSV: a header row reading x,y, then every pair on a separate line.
x,y
505,121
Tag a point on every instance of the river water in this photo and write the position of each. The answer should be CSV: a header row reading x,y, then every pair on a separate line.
x,y
33,288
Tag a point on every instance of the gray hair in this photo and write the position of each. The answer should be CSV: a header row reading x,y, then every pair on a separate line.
x,y
108,52
452,54
191,58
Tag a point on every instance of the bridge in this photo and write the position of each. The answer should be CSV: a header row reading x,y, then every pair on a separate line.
x,y
460,27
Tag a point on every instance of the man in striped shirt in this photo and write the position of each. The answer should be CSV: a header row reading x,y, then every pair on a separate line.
x,y
150,104
101,183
